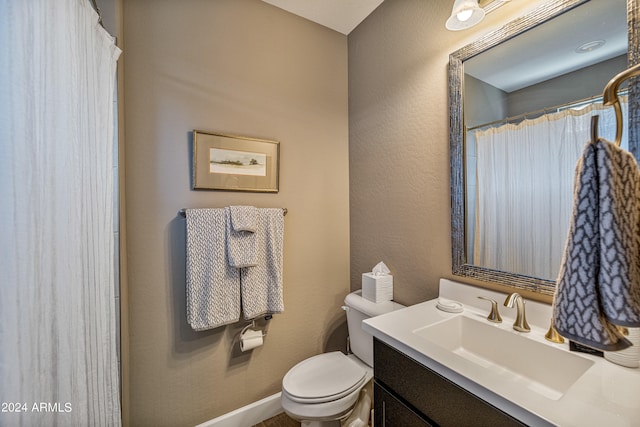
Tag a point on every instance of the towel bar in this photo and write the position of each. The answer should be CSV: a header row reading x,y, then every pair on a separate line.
x,y
182,212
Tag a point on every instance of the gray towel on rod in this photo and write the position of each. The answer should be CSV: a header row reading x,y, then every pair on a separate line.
x,y
213,287
241,235
244,218
262,291
598,286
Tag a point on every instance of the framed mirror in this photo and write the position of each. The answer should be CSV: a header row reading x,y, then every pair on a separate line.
x,y
493,82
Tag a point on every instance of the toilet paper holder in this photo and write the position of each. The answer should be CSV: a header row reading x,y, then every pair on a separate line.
x,y
253,325
251,337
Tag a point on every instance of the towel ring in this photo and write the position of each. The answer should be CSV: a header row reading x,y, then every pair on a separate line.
x,y
610,99
594,128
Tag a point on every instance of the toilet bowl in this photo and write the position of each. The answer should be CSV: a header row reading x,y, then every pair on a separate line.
x,y
324,387
323,390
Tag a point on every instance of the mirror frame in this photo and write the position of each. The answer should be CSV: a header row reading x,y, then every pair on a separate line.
x,y
538,16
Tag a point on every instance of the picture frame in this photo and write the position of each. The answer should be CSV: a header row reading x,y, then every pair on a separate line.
x,y
235,163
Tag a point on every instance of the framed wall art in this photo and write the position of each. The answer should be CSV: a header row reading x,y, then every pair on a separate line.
x,y
235,163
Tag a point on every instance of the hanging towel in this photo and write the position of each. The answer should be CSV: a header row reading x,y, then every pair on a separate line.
x,y
243,218
213,287
241,235
598,285
262,284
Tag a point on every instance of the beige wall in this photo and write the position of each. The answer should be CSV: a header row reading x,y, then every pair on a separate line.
x,y
241,67
400,203
371,172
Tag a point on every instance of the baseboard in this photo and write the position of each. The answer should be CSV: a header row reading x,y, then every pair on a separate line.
x,y
248,415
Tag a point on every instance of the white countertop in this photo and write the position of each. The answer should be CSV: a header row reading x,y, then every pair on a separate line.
x,y
605,395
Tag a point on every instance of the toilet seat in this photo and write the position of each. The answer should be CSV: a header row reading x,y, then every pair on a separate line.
x,y
323,378
333,410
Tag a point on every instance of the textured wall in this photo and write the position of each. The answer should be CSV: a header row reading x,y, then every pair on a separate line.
x,y
398,140
242,66
248,68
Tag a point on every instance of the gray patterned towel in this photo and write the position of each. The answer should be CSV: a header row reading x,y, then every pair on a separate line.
x,y
213,287
598,285
244,218
241,241
262,285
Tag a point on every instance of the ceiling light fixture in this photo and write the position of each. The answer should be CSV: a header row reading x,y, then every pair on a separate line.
x,y
465,14
590,46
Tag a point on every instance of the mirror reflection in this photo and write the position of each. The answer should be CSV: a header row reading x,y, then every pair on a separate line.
x,y
527,106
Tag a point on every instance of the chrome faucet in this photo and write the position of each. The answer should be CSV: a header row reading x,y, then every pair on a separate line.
x,y
520,324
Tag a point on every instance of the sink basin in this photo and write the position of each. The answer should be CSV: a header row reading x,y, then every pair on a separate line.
x,y
508,355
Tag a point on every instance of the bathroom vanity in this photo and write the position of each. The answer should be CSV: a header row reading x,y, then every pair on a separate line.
x,y
458,369
410,394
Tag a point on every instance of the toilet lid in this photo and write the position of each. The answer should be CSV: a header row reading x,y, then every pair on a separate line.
x,y
322,378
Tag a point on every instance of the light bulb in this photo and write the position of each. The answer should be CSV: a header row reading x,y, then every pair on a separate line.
x,y
464,15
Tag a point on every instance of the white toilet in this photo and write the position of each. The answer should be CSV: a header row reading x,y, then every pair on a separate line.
x,y
323,390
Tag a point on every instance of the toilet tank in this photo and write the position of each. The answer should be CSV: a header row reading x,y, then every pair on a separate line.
x,y
359,309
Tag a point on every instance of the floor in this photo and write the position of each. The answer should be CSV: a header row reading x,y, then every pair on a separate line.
x,y
281,420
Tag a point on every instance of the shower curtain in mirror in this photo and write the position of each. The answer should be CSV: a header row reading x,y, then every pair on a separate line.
x,y
58,355
524,188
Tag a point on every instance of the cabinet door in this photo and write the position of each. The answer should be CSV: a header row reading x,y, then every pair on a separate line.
x,y
390,412
433,396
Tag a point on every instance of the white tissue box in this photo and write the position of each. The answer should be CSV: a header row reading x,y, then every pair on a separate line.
x,y
377,288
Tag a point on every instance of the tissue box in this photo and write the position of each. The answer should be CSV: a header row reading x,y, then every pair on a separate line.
x,y
377,288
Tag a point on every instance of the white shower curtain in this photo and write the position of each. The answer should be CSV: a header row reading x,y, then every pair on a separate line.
x,y
524,192
58,354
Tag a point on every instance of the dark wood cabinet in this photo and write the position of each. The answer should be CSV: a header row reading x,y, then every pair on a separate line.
x,y
392,412
413,395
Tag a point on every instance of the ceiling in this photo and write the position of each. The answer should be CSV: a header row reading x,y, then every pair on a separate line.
x,y
545,52
339,15
549,50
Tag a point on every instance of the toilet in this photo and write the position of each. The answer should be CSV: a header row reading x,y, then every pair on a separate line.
x,y
323,390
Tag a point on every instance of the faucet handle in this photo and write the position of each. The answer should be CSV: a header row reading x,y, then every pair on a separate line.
x,y
553,335
494,315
